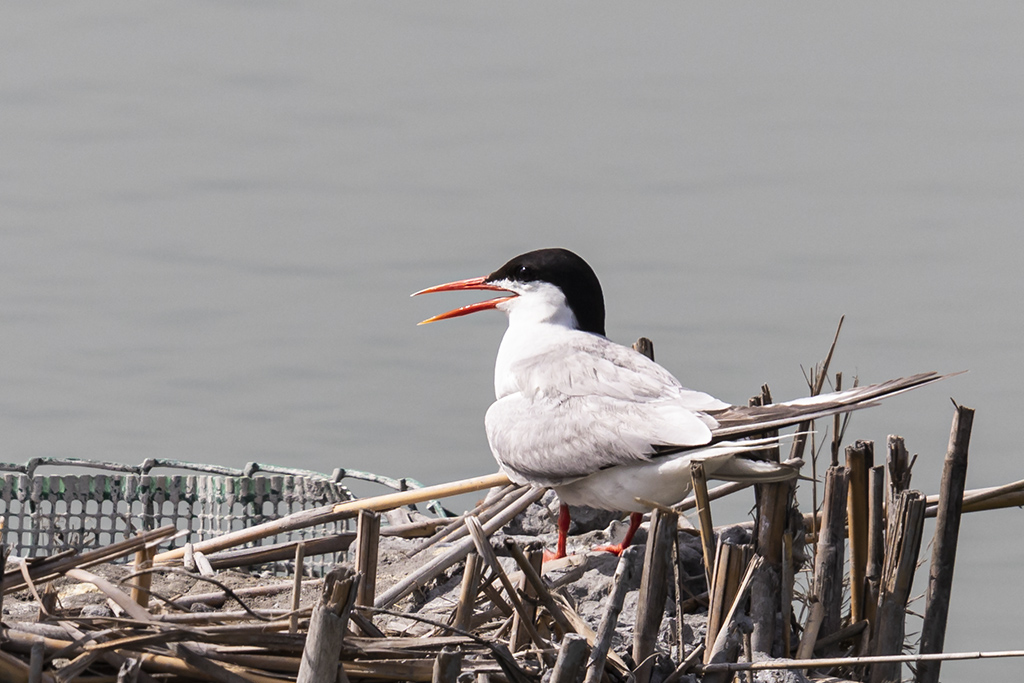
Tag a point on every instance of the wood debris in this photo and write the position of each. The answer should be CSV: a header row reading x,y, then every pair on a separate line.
x,y
807,596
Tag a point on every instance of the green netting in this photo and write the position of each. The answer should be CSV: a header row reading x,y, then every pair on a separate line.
x,y
44,515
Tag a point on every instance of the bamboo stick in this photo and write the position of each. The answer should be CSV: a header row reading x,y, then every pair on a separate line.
x,y
520,636
726,644
327,627
218,598
447,666
50,568
788,578
679,576
17,671
620,580
828,564
221,673
483,547
457,552
729,563
692,660
765,602
899,464
990,498
859,459
123,600
658,554
947,532
903,543
571,656
330,513
815,615
143,560
35,663
707,528
467,595
837,434
540,588
300,553
367,545
581,627
456,529
876,541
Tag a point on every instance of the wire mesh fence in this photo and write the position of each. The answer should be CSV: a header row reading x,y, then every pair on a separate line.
x,y
47,514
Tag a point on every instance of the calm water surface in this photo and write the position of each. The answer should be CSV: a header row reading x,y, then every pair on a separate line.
x,y
213,214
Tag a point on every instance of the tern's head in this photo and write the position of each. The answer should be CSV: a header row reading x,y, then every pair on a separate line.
x,y
544,285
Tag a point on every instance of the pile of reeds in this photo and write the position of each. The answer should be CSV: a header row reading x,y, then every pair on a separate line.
x,y
505,617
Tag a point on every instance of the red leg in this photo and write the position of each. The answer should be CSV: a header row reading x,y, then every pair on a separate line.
x,y
563,530
634,523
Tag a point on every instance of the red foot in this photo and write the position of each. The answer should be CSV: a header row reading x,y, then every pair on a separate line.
x,y
613,549
549,556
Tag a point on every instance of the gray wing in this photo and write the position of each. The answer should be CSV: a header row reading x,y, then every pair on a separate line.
x,y
589,405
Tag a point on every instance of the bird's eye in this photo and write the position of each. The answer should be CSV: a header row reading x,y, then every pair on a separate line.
x,y
523,272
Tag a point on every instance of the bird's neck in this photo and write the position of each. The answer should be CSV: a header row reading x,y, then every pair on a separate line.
x,y
523,342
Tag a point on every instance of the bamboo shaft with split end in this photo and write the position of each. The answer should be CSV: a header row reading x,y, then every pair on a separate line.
x,y
330,513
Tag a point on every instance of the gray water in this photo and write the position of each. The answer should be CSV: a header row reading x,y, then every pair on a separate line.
x,y
212,215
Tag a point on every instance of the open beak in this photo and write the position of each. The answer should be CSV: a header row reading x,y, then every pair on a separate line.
x,y
472,283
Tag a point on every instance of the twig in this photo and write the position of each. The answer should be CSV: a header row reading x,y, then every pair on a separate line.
x,y
456,552
541,589
483,546
707,529
620,581
947,531
658,553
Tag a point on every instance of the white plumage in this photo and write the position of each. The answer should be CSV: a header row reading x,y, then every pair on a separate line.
x,y
601,423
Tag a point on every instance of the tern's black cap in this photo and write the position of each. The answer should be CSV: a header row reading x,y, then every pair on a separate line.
x,y
568,272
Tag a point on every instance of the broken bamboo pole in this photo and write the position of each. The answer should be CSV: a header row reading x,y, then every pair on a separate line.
x,y
143,583
860,458
658,556
520,635
467,595
367,548
571,656
447,666
620,582
876,541
321,656
726,644
903,543
300,557
828,561
900,465
707,528
947,532
730,560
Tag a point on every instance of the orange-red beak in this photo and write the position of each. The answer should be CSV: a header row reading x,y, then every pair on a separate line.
x,y
472,283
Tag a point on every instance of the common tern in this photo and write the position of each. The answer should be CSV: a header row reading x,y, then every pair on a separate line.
x,y
602,424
